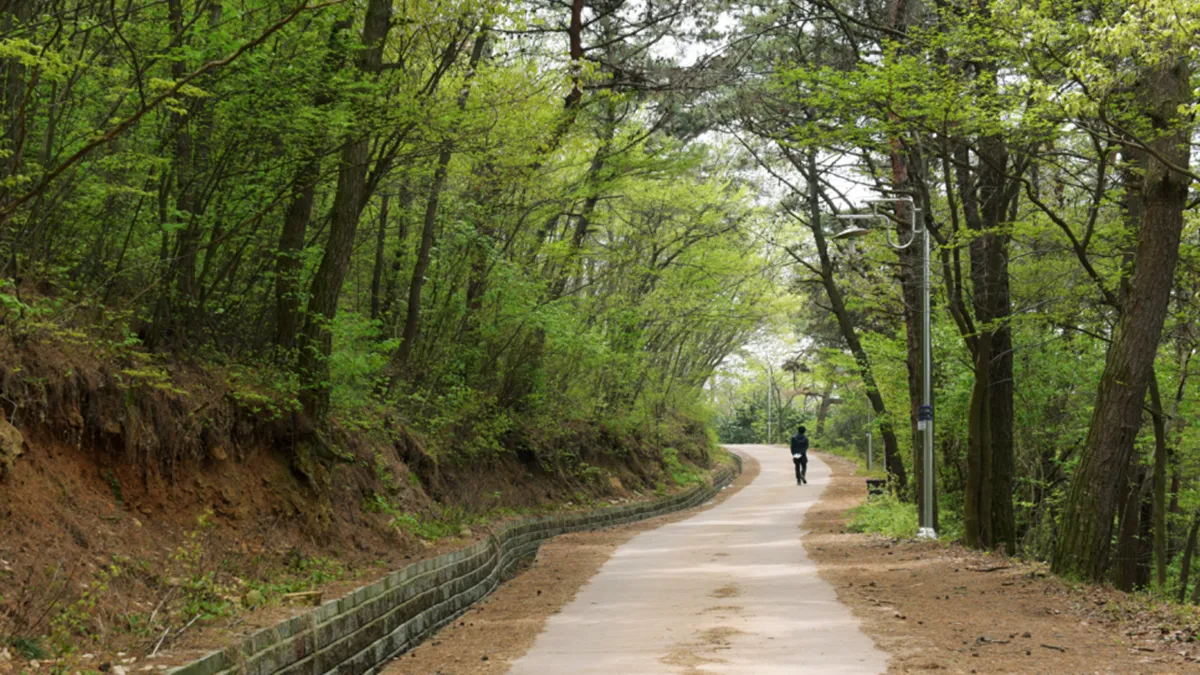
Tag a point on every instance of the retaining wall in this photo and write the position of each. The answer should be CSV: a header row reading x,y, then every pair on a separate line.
x,y
365,629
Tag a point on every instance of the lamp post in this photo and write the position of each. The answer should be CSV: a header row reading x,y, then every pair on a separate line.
x,y
768,402
925,412
870,430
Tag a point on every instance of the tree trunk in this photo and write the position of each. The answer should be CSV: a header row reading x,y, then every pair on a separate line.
x,y
412,319
377,269
977,520
16,94
900,14
1189,549
316,341
1158,416
823,409
179,277
891,449
288,264
1088,512
1127,533
985,194
405,199
287,258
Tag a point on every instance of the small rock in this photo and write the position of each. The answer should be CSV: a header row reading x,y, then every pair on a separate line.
x,y
485,658
87,657
466,532
146,668
4,655
119,670
1026,634
137,523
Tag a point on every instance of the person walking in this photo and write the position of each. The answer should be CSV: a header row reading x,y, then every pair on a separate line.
x,y
800,455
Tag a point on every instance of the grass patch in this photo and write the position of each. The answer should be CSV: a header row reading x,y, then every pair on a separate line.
x,y
683,475
886,515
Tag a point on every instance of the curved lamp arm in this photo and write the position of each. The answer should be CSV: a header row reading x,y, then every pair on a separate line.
x,y
899,247
911,205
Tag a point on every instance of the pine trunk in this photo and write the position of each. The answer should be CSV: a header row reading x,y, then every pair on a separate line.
x,y
1091,501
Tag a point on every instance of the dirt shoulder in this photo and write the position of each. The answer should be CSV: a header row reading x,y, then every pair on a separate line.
x,y
491,636
942,608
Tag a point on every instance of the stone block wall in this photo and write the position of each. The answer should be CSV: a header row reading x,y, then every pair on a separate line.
x,y
363,630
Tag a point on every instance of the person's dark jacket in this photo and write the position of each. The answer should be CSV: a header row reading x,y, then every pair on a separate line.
x,y
800,445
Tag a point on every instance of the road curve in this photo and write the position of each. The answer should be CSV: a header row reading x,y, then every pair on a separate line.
x,y
729,590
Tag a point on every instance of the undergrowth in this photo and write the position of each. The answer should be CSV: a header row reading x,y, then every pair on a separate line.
x,y
683,475
886,515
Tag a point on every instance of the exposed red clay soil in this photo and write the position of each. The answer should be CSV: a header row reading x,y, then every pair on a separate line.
x,y
942,608
114,475
490,637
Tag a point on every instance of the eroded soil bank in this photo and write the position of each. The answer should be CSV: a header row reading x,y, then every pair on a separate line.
x,y
942,608
155,506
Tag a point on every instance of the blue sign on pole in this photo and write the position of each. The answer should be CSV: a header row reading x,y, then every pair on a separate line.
x,y
925,413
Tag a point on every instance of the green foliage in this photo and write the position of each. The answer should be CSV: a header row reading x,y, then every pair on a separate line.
x,y
263,390
356,368
885,515
203,594
581,268
447,522
683,475
304,573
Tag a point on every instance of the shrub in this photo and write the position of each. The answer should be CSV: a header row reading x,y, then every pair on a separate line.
x,y
886,515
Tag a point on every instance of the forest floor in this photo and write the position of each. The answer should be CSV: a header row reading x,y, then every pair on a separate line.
x,y
942,608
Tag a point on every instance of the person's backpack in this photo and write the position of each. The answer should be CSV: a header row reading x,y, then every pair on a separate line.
x,y
799,445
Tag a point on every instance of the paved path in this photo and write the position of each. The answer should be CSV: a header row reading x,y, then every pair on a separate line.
x,y
729,590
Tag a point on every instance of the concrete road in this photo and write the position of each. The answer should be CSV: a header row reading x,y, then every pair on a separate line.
x,y
729,590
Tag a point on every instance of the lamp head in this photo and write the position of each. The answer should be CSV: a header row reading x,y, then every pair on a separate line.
x,y
851,233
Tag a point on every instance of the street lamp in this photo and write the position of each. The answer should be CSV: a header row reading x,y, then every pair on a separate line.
x,y
925,413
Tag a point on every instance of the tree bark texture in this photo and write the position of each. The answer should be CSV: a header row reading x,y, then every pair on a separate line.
x,y
985,192
288,264
1189,549
1091,501
316,341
